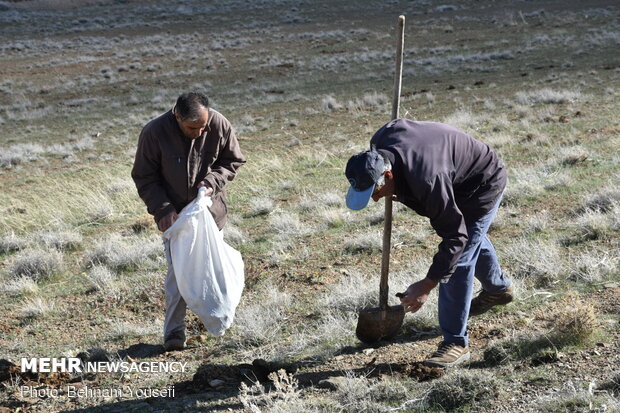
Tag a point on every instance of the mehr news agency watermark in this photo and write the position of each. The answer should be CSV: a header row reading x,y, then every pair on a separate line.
x,y
74,365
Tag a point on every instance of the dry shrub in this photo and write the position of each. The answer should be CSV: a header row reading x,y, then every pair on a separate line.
x,y
602,202
575,321
539,261
142,223
101,278
119,253
284,397
36,264
462,390
20,286
261,206
11,242
547,96
259,321
234,236
62,240
367,243
36,307
330,104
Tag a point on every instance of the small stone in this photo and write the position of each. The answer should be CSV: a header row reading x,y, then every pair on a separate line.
x,y
368,351
216,383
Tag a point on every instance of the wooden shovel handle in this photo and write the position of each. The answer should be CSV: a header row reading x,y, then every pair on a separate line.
x,y
387,221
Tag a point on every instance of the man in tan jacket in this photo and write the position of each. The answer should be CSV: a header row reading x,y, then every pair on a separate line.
x,y
188,147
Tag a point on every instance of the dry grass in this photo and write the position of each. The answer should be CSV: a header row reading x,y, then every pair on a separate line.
x,y
463,390
259,319
36,307
11,242
101,279
576,321
366,243
37,264
539,262
118,253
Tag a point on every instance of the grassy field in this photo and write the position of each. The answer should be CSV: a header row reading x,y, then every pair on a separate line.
x,y
306,84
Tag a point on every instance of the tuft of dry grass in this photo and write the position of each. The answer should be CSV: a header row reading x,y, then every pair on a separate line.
x,y
538,262
260,320
594,265
330,104
35,307
463,390
21,286
38,264
366,243
63,240
118,253
101,279
11,242
234,236
287,224
604,201
576,321
548,96
122,330
261,206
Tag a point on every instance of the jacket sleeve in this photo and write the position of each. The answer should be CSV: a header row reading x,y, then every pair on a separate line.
x,y
449,223
229,160
146,174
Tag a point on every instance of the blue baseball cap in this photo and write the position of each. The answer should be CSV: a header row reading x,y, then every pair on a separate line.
x,y
363,171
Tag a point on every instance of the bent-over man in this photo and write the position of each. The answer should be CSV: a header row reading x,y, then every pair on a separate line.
x,y
457,182
188,147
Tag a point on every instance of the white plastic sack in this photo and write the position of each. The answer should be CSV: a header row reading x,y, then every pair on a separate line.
x,y
209,272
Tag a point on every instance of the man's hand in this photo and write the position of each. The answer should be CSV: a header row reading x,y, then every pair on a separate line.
x,y
166,222
416,295
209,189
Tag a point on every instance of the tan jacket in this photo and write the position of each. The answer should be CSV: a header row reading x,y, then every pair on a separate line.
x,y
169,166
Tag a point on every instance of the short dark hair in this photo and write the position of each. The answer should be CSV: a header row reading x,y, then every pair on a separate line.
x,y
188,104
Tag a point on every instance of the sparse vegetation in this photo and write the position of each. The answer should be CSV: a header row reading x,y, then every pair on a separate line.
x,y
462,391
306,86
37,264
35,307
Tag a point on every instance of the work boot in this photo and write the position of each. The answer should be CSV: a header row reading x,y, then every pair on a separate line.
x,y
175,341
448,355
485,301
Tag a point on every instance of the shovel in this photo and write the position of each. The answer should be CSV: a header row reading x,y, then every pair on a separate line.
x,y
384,321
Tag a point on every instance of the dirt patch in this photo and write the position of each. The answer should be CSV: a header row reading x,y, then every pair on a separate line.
x,y
12,372
420,372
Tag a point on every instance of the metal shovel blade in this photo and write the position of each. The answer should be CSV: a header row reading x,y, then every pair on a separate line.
x,y
375,324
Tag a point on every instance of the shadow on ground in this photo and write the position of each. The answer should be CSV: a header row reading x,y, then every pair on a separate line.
x,y
216,386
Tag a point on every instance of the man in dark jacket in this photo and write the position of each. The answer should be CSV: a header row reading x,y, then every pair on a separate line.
x,y
457,181
188,147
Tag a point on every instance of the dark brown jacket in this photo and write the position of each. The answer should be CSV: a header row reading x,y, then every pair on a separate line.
x,y
169,166
446,175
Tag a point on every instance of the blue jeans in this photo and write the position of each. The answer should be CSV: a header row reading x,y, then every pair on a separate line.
x,y
478,260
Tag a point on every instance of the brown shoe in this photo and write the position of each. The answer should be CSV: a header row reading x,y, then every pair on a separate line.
x,y
485,301
175,341
448,355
